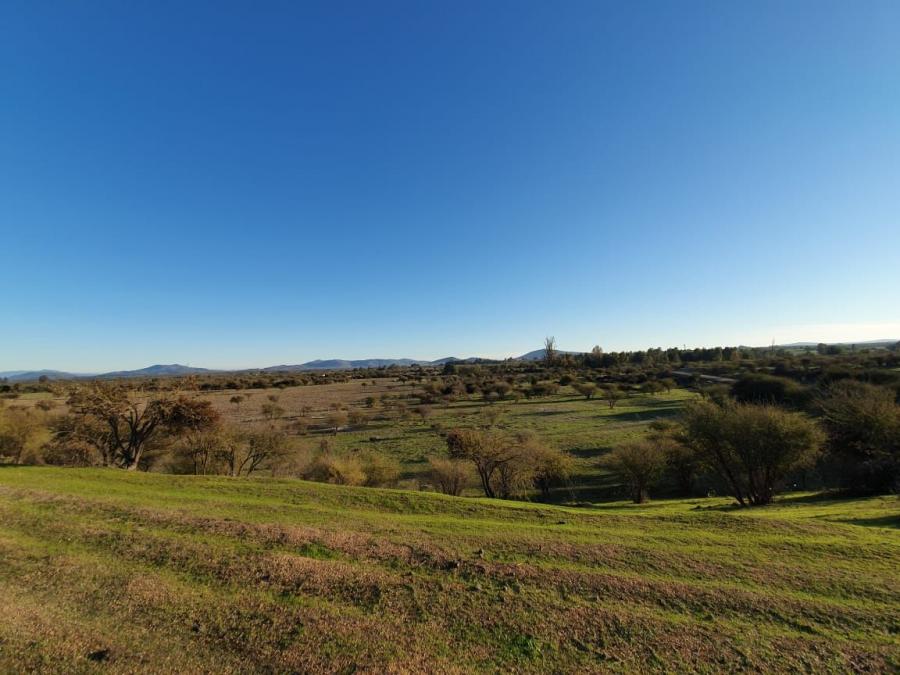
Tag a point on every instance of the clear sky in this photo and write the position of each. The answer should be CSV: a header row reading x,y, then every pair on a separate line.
x,y
233,184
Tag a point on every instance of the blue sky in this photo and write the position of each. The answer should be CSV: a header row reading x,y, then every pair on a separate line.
x,y
244,184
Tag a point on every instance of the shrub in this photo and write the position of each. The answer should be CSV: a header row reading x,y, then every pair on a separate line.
x,y
326,467
639,464
74,453
586,389
20,429
761,388
449,476
509,466
552,467
682,463
357,418
380,471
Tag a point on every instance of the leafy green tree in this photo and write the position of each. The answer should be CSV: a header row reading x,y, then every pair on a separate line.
x,y
863,422
753,447
486,450
612,394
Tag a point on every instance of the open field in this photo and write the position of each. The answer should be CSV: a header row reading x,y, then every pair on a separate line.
x,y
104,570
586,429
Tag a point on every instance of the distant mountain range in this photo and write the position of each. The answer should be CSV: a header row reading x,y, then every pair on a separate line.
x,y
173,369
150,371
864,343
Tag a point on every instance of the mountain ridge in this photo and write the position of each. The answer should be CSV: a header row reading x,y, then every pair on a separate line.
x,y
177,369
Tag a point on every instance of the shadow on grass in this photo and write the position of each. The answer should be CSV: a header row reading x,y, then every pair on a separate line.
x,y
545,413
640,415
830,496
591,452
892,521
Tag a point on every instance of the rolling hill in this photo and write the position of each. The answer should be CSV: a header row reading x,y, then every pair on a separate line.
x,y
111,571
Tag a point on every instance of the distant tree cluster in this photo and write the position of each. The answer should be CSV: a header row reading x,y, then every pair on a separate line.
x,y
765,420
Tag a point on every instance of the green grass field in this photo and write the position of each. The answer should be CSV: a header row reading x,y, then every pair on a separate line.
x,y
586,429
107,571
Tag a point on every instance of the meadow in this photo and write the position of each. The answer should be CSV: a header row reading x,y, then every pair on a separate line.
x,y
393,427
112,571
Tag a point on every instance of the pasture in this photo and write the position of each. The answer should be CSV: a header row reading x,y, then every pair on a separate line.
x,y
393,426
111,571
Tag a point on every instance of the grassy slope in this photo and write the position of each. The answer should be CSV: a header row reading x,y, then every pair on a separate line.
x,y
216,574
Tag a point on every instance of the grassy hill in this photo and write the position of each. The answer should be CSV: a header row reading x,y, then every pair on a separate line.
x,y
102,570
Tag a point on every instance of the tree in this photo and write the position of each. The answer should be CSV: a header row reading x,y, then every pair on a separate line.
x,y
682,463
271,411
199,453
652,387
586,389
486,450
509,466
612,394
863,422
424,412
336,420
753,447
121,425
245,452
550,353
639,464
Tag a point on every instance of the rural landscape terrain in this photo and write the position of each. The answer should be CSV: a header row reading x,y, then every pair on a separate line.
x,y
280,384
565,512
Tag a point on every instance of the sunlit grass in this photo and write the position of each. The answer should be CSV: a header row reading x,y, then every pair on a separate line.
x,y
275,574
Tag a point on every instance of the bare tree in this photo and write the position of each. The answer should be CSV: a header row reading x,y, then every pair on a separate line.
x,y
244,453
550,353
